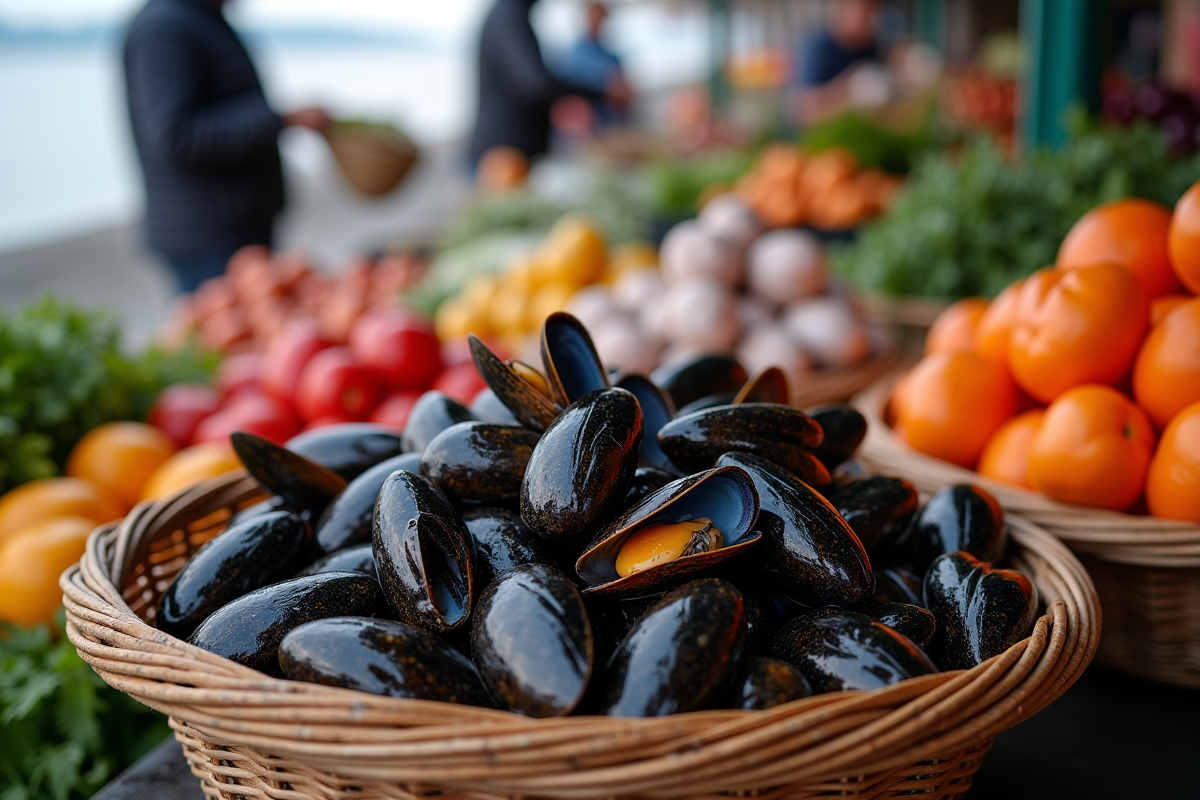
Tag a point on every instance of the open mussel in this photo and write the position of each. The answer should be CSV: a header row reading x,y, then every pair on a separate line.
x,y
580,469
572,365
844,429
962,517
381,657
766,683
347,520
807,550
878,509
684,530
688,381
302,484
532,641
478,462
348,449
514,384
433,413
680,656
500,542
778,433
657,411
422,554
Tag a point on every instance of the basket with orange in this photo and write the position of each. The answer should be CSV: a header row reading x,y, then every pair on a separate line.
x,y
1074,396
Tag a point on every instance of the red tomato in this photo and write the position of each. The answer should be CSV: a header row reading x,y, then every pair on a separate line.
x,y
460,383
288,355
334,384
400,348
239,373
253,413
181,407
394,410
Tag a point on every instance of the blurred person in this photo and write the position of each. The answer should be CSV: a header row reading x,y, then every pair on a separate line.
x,y
516,89
835,57
205,136
591,63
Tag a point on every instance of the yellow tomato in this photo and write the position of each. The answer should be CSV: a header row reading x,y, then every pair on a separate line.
x,y
453,321
545,301
574,253
31,559
478,294
632,255
120,456
507,314
188,467
56,497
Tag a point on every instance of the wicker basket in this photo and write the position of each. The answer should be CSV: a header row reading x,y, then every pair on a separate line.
x,y
247,735
1146,569
374,160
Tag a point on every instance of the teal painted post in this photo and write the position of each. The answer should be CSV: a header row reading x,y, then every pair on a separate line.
x,y
1062,42
718,43
929,22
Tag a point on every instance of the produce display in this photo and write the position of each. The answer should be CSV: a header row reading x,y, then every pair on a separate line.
x,y
728,286
571,546
977,101
972,222
1174,113
1083,380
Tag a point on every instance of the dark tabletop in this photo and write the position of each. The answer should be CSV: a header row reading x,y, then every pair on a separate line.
x,y
1110,737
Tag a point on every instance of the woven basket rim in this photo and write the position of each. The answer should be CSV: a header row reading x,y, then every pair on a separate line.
x,y
357,735
1113,535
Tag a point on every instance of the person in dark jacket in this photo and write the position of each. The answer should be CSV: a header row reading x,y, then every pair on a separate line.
x,y
205,136
516,90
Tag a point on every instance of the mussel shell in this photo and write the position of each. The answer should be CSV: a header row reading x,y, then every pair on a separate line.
x,y
960,517
680,656
487,407
272,503
572,366
897,584
249,629
349,449
765,683
807,550
768,386
778,433
301,483
579,472
478,462
382,657
690,380
646,481
877,509
500,542
657,411
981,611
611,620
706,402
534,410
242,558
844,651
347,520
914,622
844,428
433,413
725,495
532,641
422,554
360,558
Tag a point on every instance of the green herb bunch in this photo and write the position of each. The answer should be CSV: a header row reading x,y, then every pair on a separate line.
x,y
64,733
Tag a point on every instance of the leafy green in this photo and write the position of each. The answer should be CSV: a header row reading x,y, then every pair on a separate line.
x,y
874,145
678,183
62,373
971,223
64,733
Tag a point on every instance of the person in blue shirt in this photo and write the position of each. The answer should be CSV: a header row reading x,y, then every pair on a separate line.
x,y
590,63
845,42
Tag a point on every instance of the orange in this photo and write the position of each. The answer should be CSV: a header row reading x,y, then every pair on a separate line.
x,y
1173,482
501,168
1166,374
31,561
954,329
1183,239
56,497
1160,307
1076,326
952,403
1006,456
993,329
1092,449
188,467
1131,233
120,456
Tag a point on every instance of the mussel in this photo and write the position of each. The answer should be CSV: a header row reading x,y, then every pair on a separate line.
x,y
478,462
686,529
515,387
897,584
844,651
657,411
680,656
259,551
877,509
433,413
572,366
844,428
302,484
915,622
807,550
500,542
768,386
381,657
532,641
348,449
688,381
580,469
646,481
487,407
347,520
960,517
360,558
766,683
422,554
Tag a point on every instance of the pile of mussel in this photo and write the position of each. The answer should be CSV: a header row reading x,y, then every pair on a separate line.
x,y
579,542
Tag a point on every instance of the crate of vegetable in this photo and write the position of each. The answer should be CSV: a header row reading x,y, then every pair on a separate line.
x,y
652,604
1075,397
